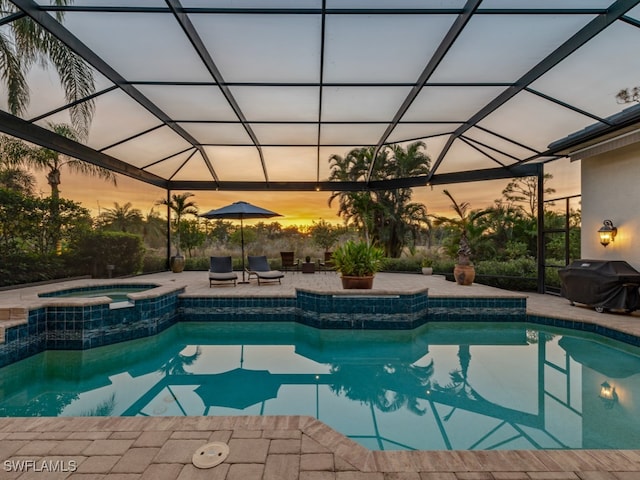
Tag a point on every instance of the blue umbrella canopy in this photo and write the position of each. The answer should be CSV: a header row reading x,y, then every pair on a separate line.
x,y
240,211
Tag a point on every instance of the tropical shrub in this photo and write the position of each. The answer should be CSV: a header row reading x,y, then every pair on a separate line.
x,y
357,259
518,274
154,263
402,264
95,250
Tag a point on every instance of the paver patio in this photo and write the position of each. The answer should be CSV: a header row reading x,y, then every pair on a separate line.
x,y
283,447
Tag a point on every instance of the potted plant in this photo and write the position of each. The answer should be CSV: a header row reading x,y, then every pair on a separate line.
x,y
180,205
357,262
463,271
325,235
427,266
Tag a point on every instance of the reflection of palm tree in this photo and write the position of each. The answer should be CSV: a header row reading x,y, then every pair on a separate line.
x,y
459,385
103,409
45,405
175,365
388,387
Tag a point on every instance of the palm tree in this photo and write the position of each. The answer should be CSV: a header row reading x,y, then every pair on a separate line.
x,y
17,179
462,224
387,216
12,176
153,227
25,43
122,217
52,162
180,205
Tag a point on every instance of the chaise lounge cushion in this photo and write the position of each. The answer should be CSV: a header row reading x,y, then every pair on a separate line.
x,y
259,267
221,270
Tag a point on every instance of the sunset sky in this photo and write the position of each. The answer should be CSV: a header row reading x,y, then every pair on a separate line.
x,y
297,208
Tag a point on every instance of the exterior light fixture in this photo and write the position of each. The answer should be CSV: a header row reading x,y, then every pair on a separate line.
x,y
317,188
607,232
608,394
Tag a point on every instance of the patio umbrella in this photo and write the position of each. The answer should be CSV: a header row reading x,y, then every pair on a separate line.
x,y
240,211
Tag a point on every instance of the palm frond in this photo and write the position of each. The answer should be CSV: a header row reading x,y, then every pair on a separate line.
x,y
78,83
11,72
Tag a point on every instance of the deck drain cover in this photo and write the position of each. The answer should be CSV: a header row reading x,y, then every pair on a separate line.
x,y
210,455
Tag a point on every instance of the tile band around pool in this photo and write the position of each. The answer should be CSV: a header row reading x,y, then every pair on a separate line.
x,y
81,323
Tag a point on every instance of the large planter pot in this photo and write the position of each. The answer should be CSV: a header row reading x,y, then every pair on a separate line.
x,y
177,263
357,282
427,270
464,274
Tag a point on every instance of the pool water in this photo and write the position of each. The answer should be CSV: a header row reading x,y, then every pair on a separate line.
x,y
440,387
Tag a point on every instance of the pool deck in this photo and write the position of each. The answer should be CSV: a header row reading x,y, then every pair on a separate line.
x,y
282,447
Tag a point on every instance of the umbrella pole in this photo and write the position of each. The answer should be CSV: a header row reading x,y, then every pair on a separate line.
x,y
242,249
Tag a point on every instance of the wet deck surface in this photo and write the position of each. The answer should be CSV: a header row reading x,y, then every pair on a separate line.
x,y
283,447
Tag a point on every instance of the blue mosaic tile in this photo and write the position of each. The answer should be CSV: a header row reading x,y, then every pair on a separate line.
x,y
94,326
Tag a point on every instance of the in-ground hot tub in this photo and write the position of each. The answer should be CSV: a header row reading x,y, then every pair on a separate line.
x,y
118,292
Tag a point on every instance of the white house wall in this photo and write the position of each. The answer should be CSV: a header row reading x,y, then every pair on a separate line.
x,y
611,190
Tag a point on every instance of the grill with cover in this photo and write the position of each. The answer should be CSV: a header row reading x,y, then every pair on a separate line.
x,y
604,285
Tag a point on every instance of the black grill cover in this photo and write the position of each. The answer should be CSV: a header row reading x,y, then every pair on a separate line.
x,y
609,284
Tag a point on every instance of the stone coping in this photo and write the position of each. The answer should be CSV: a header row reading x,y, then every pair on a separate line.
x,y
36,301
374,292
171,432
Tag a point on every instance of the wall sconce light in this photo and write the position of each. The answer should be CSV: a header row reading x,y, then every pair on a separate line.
x,y
607,232
608,394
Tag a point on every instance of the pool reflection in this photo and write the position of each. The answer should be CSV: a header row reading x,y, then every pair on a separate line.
x,y
453,386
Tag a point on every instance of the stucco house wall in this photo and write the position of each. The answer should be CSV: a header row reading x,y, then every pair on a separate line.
x,y
611,190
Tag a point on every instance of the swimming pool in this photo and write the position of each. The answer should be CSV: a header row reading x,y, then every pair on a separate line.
x,y
442,386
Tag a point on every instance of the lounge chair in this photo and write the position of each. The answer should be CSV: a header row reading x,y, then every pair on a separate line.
x,y
259,267
221,270
289,262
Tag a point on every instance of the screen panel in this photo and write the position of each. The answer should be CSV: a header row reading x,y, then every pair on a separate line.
x,y
361,104
293,164
462,157
194,169
454,104
263,48
145,39
278,103
170,166
381,48
501,48
409,131
286,134
533,121
218,133
352,134
590,78
150,147
190,102
236,163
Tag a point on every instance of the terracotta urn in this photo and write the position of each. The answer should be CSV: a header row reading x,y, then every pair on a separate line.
x,y
464,274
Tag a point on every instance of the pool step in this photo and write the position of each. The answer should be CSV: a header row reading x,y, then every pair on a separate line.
x,y
10,317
